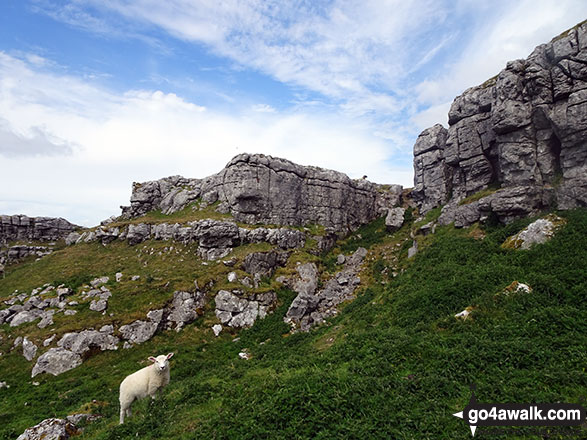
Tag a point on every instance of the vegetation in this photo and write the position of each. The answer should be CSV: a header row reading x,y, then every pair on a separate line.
x,y
394,364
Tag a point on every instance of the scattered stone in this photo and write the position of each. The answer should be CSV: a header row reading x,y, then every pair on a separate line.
x,y
70,312
97,282
99,305
135,277
340,259
232,277
49,340
245,355
413,250
47,318
216,328
4,385
29,350
118,277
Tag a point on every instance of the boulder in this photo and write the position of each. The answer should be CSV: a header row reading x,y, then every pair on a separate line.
x,y
138,331
394,219
87,339
29,350
56,361
51,429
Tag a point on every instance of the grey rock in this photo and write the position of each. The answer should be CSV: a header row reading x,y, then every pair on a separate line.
x,y
312,307
537,232
46,319
23,228
216,328
263,189
87,339
99,305
97,282
232,277
155,316
138,331
70,312
522,130
50,429
56,361
118,277
49,340
340,259
25,316
5,314
185,307
239,312
264,263
29,349
394,219
412,251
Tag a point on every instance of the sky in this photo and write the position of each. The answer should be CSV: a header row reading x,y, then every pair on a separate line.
x,y
97,94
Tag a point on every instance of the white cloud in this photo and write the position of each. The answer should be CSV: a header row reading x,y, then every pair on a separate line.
x,y
142,135
508,35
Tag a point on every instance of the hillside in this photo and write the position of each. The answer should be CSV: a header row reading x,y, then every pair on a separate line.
x,y
303,304
394,363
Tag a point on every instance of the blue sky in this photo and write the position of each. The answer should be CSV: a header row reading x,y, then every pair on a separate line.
x,y
96,94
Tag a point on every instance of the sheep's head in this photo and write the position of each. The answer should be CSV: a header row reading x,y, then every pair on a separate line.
x,y
161,362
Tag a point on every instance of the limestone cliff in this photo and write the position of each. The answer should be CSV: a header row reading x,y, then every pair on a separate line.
x,y
522,134
263,189
23,228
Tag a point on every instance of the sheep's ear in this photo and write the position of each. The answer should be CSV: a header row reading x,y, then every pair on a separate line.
x,y
152,359
170,355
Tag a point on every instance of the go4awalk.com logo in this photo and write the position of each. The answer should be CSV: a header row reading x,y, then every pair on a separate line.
x,y
521,414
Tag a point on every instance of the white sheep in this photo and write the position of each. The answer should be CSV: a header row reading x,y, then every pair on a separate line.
x,y
145,382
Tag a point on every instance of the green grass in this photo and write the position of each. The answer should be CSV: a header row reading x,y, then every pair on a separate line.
x,y
394,364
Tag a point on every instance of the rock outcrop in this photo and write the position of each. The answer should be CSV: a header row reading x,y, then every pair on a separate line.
x,y
235,310
23,228
263,189
312,307
521,134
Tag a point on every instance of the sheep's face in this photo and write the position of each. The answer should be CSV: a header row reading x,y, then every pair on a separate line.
x,y
161,362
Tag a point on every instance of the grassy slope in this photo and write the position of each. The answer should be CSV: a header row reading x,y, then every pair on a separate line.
x,y
393,364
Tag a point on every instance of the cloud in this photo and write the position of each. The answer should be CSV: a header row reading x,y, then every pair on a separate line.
x,y
510,31
142,135
37,143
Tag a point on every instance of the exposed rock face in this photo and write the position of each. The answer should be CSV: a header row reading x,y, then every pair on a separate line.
x,y
264,263
21,227
185,307
138,331
29,349
215,238
237,311
310,308
264,189
523,131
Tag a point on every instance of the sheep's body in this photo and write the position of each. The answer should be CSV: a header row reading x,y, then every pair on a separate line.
x,y
145,382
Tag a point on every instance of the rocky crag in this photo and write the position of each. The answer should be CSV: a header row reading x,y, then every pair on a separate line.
x,y
521,136
23,229
263,189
